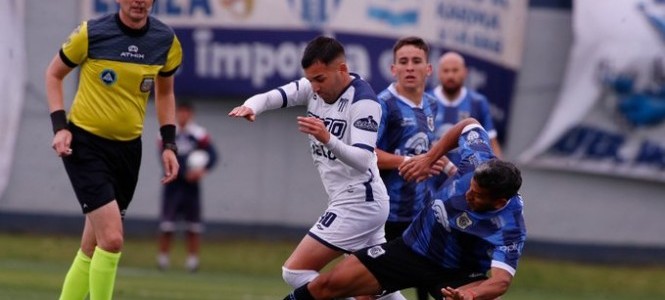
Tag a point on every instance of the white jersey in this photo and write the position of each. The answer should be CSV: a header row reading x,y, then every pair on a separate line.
x,y
347,163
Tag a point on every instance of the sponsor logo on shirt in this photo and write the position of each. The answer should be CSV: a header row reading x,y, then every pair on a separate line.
x,y
367,124
440,214
132,52
514,247
408,122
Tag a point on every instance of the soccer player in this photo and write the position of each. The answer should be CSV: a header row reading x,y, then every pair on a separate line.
x,y
472,227
461,102
407,129
342,122
182,197
122,56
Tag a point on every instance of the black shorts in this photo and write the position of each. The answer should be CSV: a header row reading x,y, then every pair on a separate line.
x,y
395,229
102,170
397,267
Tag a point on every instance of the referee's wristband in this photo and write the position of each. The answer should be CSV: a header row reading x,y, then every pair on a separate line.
x,y
168,137
58,120
168,133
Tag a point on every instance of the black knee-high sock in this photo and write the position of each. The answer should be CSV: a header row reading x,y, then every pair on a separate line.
x,y
301,293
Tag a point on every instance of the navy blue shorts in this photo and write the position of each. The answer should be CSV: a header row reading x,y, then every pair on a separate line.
x,y
181,200
102,170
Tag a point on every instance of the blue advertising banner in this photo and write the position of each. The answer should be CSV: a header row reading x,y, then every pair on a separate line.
x,y
236,48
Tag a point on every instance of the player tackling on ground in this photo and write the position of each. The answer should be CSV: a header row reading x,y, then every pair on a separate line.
x,y
472,228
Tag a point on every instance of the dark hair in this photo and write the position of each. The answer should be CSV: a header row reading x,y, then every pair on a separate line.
x,y
321,49
500,178
411,40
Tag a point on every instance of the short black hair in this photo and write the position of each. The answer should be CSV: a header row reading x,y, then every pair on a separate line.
x,y
500,178
411,40
321,49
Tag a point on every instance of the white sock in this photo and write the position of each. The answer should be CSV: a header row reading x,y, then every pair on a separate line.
x,y
163,260
192,262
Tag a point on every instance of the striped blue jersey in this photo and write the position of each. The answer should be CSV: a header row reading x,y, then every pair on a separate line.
x,y
405,130
449,233
468,104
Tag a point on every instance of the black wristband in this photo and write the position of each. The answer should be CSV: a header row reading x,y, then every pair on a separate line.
x,y
59,120
168,137
168,133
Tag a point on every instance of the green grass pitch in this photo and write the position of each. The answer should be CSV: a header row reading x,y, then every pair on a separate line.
x,y
33,267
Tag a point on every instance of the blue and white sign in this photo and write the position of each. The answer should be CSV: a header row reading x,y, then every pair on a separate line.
x,y
610,118
236,48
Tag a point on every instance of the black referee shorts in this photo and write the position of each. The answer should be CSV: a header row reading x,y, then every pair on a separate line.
x,y
397,267
102,170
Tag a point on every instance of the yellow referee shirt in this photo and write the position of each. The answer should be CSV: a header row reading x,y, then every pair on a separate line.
x,y
118,70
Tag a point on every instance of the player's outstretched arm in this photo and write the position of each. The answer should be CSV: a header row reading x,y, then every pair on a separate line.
x,y
243,112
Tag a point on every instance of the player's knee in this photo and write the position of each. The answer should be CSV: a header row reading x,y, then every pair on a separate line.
x,y
167,226
298,278
195,227
111,243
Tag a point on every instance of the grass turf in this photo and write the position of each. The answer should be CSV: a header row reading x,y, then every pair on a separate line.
x,y
33,267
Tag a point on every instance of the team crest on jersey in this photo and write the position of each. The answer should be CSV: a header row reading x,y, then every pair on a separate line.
x,y
463,221
342,104
463,115
108,77
473,137
367,124
375,252
146,84
430,123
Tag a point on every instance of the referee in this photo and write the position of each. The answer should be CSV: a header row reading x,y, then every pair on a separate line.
x,y
122,57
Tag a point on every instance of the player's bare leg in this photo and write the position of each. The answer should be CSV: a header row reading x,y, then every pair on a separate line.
x,y
305,262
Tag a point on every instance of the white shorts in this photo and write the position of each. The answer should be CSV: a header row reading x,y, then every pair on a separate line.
x,y
352,225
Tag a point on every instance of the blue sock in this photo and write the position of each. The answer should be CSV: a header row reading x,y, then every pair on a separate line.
x,y
301,293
